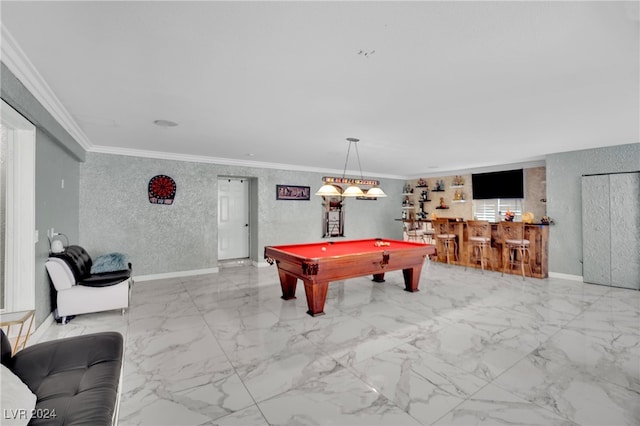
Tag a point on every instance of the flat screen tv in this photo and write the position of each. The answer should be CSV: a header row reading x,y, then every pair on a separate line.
x,y
504,184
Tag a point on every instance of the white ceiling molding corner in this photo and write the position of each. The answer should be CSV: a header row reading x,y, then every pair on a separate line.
x,y
17,61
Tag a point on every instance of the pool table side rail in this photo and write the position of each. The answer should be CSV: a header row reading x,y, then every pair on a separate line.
x,y
336,268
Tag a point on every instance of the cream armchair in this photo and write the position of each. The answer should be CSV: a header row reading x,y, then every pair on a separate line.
x,y
79,291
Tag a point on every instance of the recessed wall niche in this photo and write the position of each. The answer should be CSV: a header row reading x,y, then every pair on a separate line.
x,y
332,217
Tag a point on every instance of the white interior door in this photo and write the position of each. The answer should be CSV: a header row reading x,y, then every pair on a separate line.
x,y
233,218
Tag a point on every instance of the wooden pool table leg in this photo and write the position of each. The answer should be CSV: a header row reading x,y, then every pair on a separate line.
x,y
379,278
316,296
288,285
411,278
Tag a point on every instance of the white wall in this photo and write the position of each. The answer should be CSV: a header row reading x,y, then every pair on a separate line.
x,y
564,198
115,213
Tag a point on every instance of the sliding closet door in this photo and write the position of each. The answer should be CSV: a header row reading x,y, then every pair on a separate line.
x,y
624,190
611,229
596,230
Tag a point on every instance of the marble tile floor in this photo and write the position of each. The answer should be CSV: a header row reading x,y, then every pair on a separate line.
x,y
467,349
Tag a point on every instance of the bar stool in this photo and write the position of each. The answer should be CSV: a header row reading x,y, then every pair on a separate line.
x,y
429,233
479,232
516,245
446,237
413,231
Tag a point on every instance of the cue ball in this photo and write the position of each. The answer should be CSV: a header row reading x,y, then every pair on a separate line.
x,y
324,249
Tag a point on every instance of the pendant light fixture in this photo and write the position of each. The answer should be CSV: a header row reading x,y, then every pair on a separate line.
x,y
328,190
353,190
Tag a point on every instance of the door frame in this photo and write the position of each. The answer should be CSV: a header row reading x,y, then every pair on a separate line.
x,y
20,236
252,201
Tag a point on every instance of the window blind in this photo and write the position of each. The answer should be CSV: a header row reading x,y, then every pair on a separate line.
x,y
494,209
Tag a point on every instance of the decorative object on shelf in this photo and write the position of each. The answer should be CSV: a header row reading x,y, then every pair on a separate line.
x,y
458,196
442,204
407,189
425,195
421,183
292,192
527,217
353,190
439,186
458,181
509,215
546,220
162,190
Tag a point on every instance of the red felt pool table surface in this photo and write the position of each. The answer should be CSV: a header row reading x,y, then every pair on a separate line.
x,y
316,264
341,248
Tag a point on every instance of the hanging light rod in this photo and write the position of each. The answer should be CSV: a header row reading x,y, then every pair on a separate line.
x,y
353,190
329,189
349,181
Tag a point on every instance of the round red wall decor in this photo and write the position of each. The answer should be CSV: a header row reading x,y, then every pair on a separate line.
x,y
162,190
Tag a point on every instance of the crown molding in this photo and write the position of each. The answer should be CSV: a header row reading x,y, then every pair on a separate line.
x,y
17,61
534,162
160,155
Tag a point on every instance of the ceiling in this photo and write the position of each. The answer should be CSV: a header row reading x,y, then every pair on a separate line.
x,y
427,87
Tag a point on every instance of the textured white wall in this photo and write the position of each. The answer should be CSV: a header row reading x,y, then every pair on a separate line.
x,y
115,214
56,207
564,198
535,189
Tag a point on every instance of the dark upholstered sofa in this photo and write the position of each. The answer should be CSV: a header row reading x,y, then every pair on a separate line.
x,y
76,380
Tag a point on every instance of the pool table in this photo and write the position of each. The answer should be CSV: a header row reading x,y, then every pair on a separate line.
x,y
316,264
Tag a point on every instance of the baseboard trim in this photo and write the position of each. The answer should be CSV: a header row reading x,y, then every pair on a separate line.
x,y
178,274
566,276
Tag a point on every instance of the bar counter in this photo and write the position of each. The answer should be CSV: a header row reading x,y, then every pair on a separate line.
x,y
536,233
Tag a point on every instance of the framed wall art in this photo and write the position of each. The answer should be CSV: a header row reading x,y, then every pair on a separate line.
x,y
292,192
